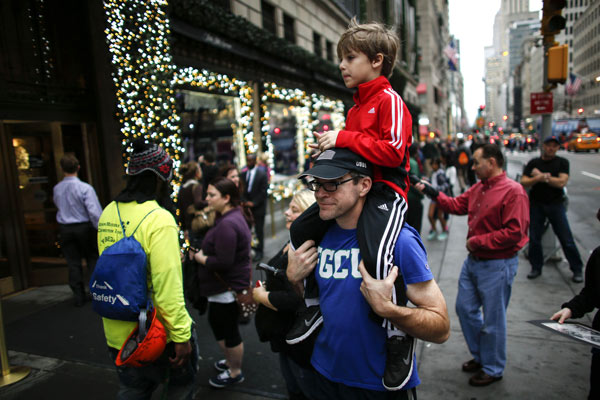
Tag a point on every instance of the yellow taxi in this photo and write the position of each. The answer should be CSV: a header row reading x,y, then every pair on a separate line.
x,y
584,142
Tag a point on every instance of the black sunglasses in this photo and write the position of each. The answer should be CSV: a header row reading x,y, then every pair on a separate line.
x,y
327,186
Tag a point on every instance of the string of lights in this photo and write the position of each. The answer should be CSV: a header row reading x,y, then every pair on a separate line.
x,y
137,37
39,39
307,110
221,83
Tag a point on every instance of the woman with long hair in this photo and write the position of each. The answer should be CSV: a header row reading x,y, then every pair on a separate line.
x,y
277,310
224,268
230,171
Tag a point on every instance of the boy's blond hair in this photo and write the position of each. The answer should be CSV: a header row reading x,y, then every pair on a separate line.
x,y
370,39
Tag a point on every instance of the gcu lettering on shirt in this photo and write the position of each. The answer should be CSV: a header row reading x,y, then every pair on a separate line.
x,y
332,263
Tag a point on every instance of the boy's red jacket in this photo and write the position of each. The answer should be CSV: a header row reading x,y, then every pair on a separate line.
x,y
379,128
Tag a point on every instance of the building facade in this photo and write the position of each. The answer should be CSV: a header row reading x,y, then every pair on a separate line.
x,y
513,14
433,39
586,62
227,77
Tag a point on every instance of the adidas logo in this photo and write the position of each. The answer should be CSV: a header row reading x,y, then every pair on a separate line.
x,y
383,207
371,111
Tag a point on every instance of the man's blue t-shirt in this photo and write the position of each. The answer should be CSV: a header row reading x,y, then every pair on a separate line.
x,y
350,348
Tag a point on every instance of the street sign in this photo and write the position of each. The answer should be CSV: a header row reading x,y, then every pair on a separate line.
x,y
541,103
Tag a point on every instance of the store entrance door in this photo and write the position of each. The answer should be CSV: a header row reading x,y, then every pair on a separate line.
x,y
37,148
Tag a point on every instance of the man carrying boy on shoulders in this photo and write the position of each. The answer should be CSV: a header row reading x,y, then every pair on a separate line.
x,y
378,128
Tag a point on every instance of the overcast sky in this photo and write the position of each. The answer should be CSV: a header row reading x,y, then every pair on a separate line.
x,y
472,22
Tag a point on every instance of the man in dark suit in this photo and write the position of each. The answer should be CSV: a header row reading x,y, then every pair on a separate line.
x,y
255,195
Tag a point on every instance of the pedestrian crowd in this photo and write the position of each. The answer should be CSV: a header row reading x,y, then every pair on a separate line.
x,y
335,303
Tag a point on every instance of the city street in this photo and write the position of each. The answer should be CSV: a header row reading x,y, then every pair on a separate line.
x,y
65,348
130,100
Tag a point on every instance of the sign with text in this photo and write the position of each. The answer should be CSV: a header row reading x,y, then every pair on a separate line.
x,y
541,103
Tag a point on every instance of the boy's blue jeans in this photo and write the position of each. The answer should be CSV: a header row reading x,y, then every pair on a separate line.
x,y
487,285
140,383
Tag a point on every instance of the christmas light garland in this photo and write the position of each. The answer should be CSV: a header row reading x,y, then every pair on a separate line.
x,y
145,77
137,37
44,47
221,83
307,115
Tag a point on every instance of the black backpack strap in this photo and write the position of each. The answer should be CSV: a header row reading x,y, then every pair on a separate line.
x,y
120,220
136,228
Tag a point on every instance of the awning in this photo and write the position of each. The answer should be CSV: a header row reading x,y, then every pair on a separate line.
x,y
421,88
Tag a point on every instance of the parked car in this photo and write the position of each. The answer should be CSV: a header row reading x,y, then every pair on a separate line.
x,y
584,142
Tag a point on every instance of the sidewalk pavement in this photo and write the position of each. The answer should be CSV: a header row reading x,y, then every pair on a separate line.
x,y
64,346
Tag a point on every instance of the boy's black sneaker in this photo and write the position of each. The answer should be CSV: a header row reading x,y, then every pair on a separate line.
x,y
400,351
305,324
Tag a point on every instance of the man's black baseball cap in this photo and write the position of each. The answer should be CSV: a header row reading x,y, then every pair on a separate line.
x,y
337,162
551,139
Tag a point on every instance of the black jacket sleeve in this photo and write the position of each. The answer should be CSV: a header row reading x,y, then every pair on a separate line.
x,y
589,297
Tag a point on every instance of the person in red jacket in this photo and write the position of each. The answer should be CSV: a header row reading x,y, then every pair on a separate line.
x,y
378,128
498,219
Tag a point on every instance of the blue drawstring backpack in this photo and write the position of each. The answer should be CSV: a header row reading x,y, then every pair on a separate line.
x,y
118,284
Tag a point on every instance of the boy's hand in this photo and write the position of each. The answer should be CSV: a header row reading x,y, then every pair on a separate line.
x,y
301,262
326,139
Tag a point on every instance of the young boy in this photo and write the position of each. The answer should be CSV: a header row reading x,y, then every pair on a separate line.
x,y
379,128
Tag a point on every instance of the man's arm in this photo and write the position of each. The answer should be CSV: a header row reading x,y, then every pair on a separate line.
x,y
559,181
427,321
537,176
453,205
167,287
92,205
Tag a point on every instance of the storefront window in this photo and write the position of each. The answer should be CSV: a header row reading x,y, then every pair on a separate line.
x,y
284,136
37,177
208,124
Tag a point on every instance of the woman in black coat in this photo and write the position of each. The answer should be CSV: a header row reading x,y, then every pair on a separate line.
x,y
278,303
584,302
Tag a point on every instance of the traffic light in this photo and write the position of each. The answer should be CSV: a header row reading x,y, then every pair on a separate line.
x,y
552,20
558,60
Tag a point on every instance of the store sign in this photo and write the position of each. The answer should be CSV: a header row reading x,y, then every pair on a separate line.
x,y
541,103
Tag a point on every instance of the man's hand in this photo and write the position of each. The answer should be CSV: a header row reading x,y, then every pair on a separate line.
x,y
182,354
535,172
562,315
301,262
426,188
378,293
469,245
540,176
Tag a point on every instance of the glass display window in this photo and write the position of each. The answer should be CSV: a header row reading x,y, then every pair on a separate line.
x,y
209,123
285,136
